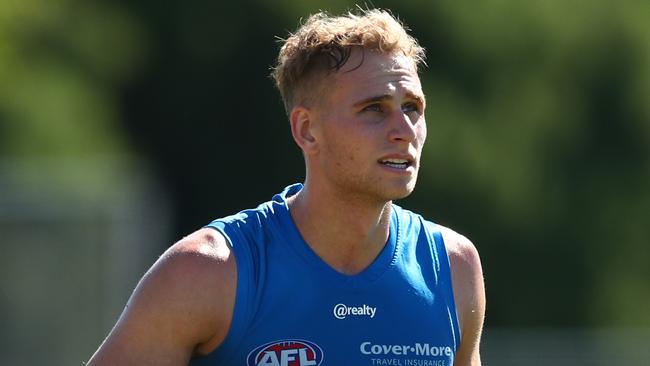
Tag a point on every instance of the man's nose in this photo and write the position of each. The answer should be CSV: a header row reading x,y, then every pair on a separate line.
x,y
402,127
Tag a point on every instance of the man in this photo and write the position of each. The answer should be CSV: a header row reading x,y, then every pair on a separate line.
x,y
330,272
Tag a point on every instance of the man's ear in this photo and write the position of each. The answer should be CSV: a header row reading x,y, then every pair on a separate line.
x,y
303,129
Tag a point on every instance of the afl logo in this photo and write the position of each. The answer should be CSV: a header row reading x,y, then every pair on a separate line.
x,y
287,352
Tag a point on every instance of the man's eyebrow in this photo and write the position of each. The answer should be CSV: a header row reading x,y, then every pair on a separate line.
x,y
373,99
383,97
419,98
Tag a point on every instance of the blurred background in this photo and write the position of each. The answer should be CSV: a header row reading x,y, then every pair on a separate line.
x,y
125,125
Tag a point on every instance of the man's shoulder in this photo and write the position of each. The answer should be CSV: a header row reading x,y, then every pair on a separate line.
x,y
183,304
468,286
459,247
205,250
197,276
194,271
467,276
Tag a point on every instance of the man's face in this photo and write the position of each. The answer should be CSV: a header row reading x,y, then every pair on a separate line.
x,y
371,127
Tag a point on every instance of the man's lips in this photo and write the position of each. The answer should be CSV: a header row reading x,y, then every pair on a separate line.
x,y
397,161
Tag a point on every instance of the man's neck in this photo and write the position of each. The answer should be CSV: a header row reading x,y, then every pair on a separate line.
x,y
346,232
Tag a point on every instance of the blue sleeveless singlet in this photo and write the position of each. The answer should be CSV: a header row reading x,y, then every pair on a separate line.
x,y
293,309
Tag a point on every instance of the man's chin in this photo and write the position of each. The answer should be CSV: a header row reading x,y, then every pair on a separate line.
x,y
403,195
402,192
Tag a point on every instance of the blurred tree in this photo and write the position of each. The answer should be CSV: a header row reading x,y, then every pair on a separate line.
x,y
61,63
61,66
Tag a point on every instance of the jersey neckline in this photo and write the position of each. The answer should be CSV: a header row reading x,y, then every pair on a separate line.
x,y
293,238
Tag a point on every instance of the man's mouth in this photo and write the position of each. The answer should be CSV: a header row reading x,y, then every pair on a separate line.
x,y
396,163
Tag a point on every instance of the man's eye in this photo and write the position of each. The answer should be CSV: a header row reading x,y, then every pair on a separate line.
x,y
411,107
373,108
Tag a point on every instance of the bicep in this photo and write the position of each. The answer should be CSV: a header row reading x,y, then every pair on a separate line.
x,y
133,341
469,293
472,329
145,332
173,310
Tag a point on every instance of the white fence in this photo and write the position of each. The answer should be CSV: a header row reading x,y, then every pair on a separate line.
x,y
566,347
75,236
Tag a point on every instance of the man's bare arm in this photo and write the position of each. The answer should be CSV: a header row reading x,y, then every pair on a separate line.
x,y
469,293
182,306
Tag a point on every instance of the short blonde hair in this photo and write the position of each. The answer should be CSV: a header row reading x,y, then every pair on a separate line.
x,y
323,44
